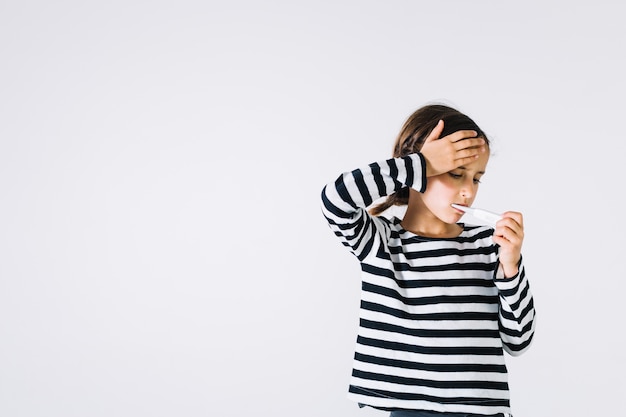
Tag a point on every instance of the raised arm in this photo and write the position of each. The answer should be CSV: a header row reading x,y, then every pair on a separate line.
x,y
345,200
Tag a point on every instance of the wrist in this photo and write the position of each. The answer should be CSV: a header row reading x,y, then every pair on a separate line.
x,y
510,270
429,171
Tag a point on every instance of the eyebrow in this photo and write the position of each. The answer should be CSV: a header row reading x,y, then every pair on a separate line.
x,y
478,172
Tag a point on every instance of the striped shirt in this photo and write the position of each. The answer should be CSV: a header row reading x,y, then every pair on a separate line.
x,y
436,314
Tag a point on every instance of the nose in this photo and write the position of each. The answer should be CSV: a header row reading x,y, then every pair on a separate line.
x,y
467,189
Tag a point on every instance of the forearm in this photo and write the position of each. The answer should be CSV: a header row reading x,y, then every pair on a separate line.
x,y
517,312
361,187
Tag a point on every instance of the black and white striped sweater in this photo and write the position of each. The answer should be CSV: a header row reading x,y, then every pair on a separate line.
x,y
436,314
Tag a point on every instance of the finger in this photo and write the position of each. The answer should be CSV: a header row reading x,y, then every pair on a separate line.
x,y
465,161
466,156
515,215
502,239
512,236
499,240
469,152
469,143
461,135
436,132
506,224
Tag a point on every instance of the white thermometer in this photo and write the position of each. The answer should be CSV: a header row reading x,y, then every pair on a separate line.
x,y
487,216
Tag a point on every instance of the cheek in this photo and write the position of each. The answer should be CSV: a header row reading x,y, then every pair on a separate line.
x,y
439,188
442,185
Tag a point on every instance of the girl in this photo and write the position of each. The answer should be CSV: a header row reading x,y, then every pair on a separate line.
x,y
440,300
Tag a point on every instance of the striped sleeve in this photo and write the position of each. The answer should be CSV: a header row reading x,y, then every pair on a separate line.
x,y
517,311
345,200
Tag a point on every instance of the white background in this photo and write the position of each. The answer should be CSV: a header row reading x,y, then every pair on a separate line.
x,y
162,250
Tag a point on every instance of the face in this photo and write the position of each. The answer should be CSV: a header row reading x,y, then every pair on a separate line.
x,y
458,186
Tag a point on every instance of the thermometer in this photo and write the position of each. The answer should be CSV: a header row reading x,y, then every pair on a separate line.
x,y
487,216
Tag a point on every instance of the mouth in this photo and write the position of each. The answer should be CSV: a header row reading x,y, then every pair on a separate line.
x,y
460,211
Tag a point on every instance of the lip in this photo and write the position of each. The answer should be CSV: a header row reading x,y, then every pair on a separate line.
x,y
459,210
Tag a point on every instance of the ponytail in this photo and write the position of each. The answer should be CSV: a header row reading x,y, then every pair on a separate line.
x,y
399,198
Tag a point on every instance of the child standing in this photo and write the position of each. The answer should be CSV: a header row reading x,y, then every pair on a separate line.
x,y
440,300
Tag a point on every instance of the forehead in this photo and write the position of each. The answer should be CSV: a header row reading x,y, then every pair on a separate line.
x,y
479,165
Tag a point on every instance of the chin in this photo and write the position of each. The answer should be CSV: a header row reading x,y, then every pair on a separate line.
x,y
455,220
449,221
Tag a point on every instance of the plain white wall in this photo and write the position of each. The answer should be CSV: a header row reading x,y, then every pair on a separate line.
x,y
162,250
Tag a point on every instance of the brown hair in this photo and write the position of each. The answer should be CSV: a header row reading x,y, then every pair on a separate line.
x,y
413,134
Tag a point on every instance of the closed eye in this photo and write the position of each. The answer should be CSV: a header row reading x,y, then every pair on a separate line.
x,y
458,176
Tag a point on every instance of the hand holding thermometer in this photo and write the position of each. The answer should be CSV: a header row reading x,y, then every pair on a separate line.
x,y
487,216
